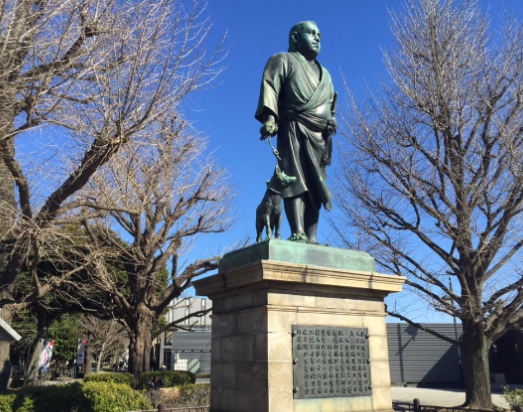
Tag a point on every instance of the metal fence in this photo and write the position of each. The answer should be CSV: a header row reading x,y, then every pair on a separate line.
x,y
18,372
162,408
416,406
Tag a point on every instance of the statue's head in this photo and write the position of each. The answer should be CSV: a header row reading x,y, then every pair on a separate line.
x,y
304,37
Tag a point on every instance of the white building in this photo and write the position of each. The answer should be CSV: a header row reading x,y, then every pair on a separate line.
x,y
187,346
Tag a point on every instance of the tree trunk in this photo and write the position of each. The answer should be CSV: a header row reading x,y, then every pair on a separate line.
x,y
42,332
32,365
7,209
476,367
88,361
7,219
115,359
98,362
100,357
5,363
140,344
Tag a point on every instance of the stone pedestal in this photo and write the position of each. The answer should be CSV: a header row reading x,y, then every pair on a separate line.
x,y
263,290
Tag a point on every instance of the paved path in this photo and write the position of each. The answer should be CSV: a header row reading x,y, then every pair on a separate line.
x,y
438,397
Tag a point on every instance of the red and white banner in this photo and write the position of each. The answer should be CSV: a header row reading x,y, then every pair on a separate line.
x,y
45,355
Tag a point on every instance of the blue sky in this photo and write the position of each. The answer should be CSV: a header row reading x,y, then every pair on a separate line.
x,y
353,35
352,32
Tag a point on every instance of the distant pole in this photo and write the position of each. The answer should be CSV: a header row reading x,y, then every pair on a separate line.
x,y
456,337
161,408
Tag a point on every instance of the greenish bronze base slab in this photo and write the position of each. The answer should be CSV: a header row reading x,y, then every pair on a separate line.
x,y
300,253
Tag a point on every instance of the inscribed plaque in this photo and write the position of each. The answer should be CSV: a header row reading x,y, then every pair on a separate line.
x,y
330,361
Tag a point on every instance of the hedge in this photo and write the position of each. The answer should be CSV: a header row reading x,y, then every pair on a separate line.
x,y
44,399
113,397
513,397
169,378
115,377
86,397
11,403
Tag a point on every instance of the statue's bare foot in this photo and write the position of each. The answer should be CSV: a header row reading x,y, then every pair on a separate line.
x,y
299,237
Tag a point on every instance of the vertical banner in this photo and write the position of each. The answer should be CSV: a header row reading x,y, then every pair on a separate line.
x,y
45,355
80,356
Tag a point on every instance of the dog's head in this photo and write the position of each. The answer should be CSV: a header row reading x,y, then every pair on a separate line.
x,y
279,180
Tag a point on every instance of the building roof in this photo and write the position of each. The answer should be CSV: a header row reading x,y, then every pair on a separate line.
x,y
7,333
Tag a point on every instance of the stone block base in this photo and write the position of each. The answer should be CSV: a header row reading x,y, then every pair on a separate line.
x,y
254,309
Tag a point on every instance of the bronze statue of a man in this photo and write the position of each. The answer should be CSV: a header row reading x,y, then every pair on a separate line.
x,y
297,102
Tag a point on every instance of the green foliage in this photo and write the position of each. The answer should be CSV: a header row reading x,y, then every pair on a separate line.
x,y
169,378
47,398
114,397
44,399
514,398
162,281
24,322
6,402
115,377
10,403
87,397
64,333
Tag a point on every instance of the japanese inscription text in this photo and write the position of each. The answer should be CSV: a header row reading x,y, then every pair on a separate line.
x,y
330,361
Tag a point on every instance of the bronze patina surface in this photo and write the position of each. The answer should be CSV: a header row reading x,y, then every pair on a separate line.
x,y
300,253
297,103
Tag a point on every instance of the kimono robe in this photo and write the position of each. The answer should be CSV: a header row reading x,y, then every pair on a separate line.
x,y
301,102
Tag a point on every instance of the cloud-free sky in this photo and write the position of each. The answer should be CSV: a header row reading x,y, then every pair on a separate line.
x,y
353,35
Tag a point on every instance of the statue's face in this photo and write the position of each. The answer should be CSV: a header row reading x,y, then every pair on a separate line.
x,y
308,40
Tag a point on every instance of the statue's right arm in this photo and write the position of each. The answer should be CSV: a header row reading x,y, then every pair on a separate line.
x,y
273,77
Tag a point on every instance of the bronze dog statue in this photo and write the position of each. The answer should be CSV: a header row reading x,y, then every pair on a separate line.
x,y
268,212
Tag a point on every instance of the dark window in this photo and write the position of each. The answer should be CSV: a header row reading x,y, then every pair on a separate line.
x,y
167,359
168,339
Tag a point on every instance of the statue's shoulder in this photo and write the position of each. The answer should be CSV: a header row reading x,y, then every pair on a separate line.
x,y
326,73
324,69
280,56
278,62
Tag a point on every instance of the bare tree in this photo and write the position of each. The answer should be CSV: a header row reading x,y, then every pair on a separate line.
x,y
161,195
55,280
180,323
89,76
105,336
432,178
